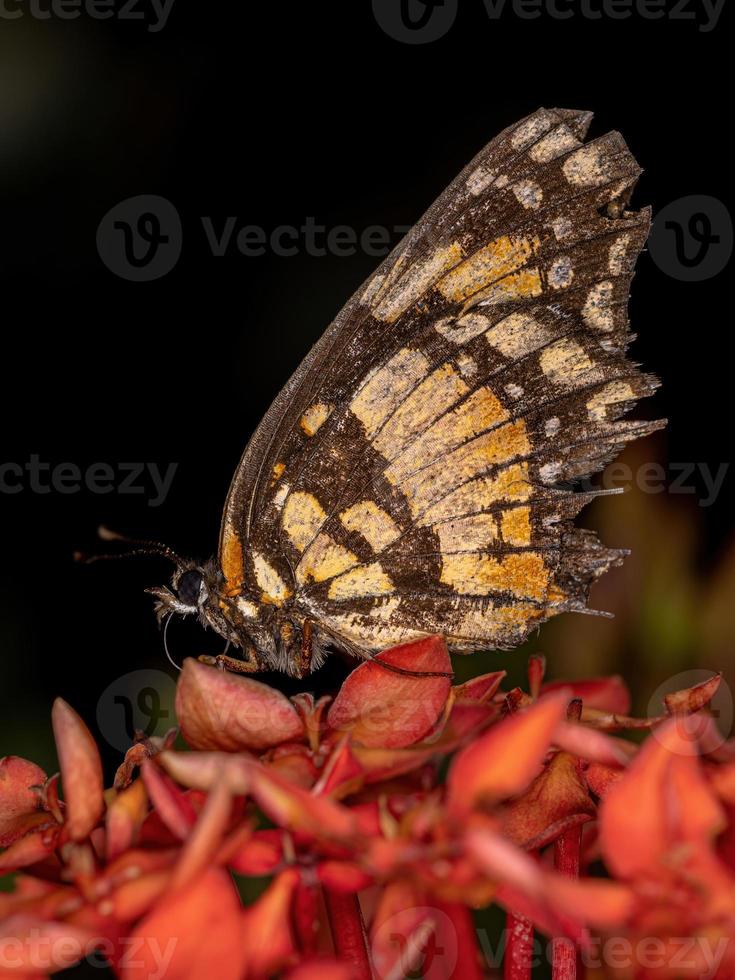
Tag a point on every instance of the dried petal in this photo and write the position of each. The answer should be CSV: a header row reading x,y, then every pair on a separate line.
x,y
691,699
555,797
81,771
504,760
380,707
221,710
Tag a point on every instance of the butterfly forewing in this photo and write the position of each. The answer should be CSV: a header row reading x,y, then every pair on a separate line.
x,y
409,477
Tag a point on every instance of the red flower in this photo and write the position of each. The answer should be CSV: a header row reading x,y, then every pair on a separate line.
x,y
344,805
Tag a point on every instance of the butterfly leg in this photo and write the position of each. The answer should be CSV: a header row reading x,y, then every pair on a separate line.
x,y
249,665
302,663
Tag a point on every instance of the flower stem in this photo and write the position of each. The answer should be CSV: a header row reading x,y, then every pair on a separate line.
x,y
348,932
518,948
468,959
566,861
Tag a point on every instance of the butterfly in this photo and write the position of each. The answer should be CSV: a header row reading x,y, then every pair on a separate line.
x,y
416,474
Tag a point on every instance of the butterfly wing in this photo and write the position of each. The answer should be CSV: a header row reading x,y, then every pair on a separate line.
x,y
408,479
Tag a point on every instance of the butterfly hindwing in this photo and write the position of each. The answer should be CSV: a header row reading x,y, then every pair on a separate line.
x,y
408,478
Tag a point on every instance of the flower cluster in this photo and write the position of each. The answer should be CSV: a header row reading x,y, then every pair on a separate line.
x,y
381,819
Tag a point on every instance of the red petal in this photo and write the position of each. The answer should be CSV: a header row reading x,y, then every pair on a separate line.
x,y
587,743
221,710
195,933
504,862
401,929
598,903
295,809
124,818
482,688
81,771
692,699
201,770
662,801
555,797
29,850
295,763
504,760
269,941
172,806
33,947
205,839
343,876
322,969
382,708
602,693
342,773
17,798
262,854
600,778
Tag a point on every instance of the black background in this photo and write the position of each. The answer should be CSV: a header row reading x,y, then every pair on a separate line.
x,y
273,113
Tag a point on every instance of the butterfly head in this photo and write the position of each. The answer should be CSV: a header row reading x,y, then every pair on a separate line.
x,y
191,591
196,590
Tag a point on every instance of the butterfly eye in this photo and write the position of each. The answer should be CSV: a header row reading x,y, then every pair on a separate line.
x,y
190,586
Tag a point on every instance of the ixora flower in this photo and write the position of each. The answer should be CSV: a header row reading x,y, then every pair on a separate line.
x,y
381,818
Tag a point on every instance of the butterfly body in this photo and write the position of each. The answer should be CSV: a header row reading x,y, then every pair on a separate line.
x,y
416,473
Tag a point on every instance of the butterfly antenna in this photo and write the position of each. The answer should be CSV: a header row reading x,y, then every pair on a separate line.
x,y
138,548
165,642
